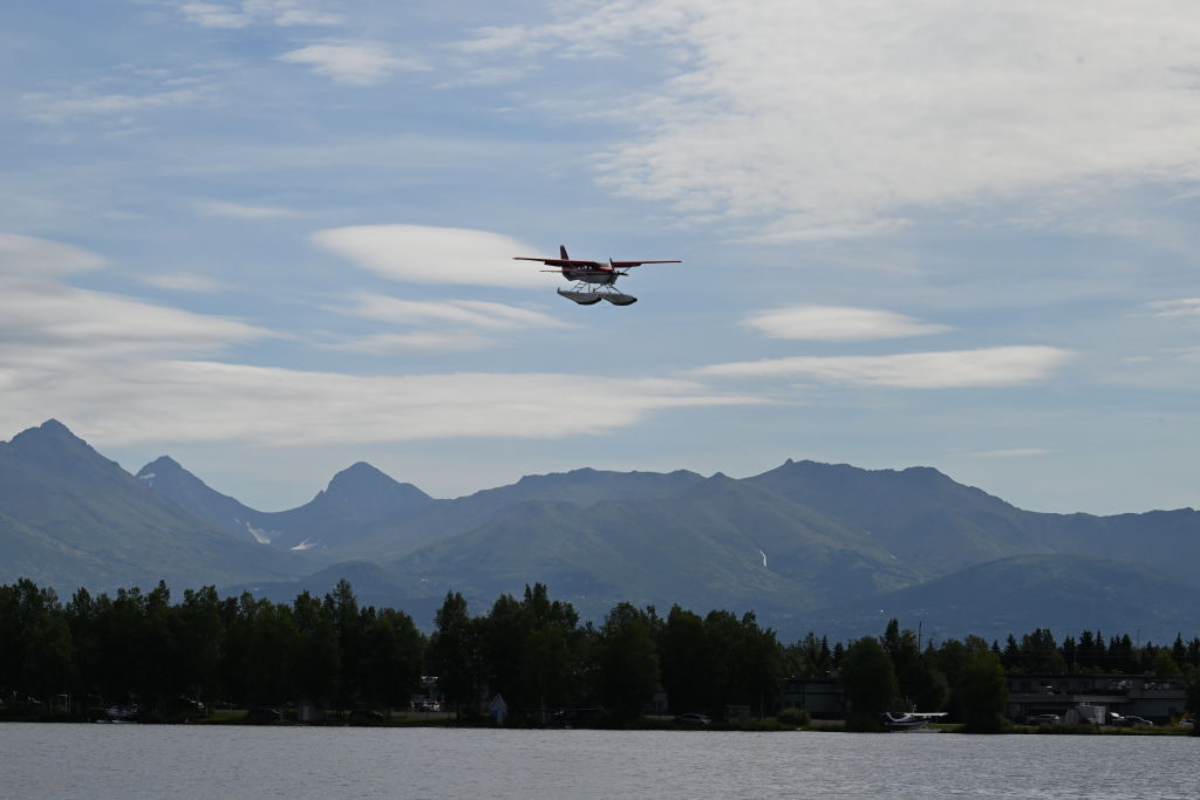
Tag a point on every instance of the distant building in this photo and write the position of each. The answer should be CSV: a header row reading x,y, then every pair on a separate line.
x,y
823,698
1157,699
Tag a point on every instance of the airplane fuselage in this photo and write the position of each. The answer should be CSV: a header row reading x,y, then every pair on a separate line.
x,y
595,272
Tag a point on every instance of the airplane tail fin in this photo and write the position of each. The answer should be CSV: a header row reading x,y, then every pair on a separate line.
x,y
562,252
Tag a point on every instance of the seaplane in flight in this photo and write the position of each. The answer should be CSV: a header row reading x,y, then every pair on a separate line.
x,y
594,280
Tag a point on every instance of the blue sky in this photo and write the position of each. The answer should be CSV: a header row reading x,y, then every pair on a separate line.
x,y
274,237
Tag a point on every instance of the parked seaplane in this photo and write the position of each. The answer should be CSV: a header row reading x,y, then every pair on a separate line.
x,y
594,280
912,721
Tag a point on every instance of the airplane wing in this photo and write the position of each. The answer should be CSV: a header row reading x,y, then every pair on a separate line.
x,y
555,262
572,262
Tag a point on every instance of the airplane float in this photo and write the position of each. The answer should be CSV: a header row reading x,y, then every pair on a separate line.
x,y
594,280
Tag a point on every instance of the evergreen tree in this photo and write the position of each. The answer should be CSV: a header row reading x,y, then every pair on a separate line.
x,y
454,653
1013,657
342,606
869,680
1179,651
200,639
319,664
982,689
627,660
684,661
394,652
760,671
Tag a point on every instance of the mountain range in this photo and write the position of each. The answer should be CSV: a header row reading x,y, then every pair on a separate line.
x,y
806,546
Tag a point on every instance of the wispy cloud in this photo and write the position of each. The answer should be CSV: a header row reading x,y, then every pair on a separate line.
x,y
185,282
474,313
1014,452
1185,307
458,325
46,325
383,344
901,107
838,324
54,108
285,13
212,402
353,63
26,256
425,254
215,15
989,367
129,371
219,208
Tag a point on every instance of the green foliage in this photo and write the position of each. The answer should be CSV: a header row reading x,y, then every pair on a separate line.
x,y
627,660
1193,693
531,649
249,652
139,647
794,717
454,652
684,660
869,679
982,689
720,660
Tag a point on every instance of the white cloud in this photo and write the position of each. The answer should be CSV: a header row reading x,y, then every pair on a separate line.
x,y
1013,452
211,402
838,324
458,317
218,208
285,13
215,15
185,282
46,325
356,64
119,369
1185,307
995,366
476,313
39,258
825,117
49,108
288,13
424,254
383,344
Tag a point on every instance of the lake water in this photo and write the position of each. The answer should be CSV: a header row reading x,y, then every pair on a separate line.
x,y
64,762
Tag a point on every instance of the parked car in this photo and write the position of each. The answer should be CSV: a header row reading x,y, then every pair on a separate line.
x,y
1043,719
692,719
1131,721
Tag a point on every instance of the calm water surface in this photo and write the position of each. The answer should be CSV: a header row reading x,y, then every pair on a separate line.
x,y
191,763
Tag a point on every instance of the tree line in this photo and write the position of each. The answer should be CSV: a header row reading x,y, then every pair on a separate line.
x,y
533,650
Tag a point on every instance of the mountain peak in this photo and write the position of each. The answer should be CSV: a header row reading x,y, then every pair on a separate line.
x,y
369,490
358,470
52,442
50,430
163,465
360,475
